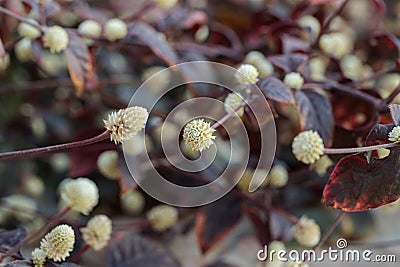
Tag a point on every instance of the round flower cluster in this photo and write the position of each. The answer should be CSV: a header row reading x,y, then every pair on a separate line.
x,y
33,185
352,67
89,28
293,80
23,50
337,44
307,232
318,67
115,29
59,242
232,102
97,232
132,202
394,135
278,176
55,38
311,26
162,217
276,246
28,31
80,194
38,257
166,4
322,165
107,163
258,60
258,176
308,147
125,123
198,135
247,74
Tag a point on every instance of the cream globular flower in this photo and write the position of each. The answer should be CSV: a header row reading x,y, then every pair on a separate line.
x,y
132,202
23,50
80,194
166,4
59,242
125,123
278,176
97,232
394,135
29,31
258,60
293,80
307,232
162,217
308,147
247,74
232,102
55,38
107,163
198,135
89,28
38,257
115,29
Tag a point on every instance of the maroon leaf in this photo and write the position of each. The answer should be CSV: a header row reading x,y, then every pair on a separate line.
x,y
289,62
9,239
315,113
216,220
356,185
379,134
151,37
275,89
129,249
395,113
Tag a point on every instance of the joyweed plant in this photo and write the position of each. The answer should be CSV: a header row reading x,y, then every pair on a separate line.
x,y
327,70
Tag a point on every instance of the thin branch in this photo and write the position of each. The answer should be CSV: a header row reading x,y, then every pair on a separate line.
x,y
357,149
330,229
21,18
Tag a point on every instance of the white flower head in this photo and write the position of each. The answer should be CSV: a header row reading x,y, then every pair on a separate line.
x,y
97,232
125,123
247,74
278,176
55,38
394,135
38,257
311,25
162,217
115,29
293,80
107,163
58,243
308,147
132,202
307,232
233,101
337,44
80,194
28,31
90,28
23,50
198,135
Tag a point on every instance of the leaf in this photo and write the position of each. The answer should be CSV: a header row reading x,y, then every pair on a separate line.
x,y
356,185
80,62
130,249
216,220
275,89
260,225
19,263
289,62
10,239
292,44
395,113
379,134
151,37
315,113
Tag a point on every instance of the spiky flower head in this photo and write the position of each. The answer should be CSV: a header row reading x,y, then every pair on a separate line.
x,y
198,135
162,217
38,257
247,74
394,135
97,232
233,101
132,202
278,176
307,232
80,194
293,80
115,29
107,163
59,242
125,123
308,147
166,4
55,38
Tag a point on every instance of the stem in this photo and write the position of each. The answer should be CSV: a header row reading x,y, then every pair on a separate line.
x,y
56,218
79,254
42,150
330,229
20,18
357,149
227,116
392,95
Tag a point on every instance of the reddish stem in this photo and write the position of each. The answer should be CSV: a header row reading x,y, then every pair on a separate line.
x,y
79,254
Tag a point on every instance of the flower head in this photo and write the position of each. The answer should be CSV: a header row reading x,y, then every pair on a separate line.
x,y
322,165
233,101
166,4
394,135
293,80
115,29
307,232
80,194
23,50
132,202
38,257
90,28
107,163
198,135
278,176
162,217
352,66
311,25
247,74
97,232
125,123
338,44
28,31
55,38
59,242
308,147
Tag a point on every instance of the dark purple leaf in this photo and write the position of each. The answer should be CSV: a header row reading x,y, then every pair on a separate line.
x,y
289,62
292,44
9,239
315,113
395,113
356,185
19,263
260,224
379,134
216,220
275,89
